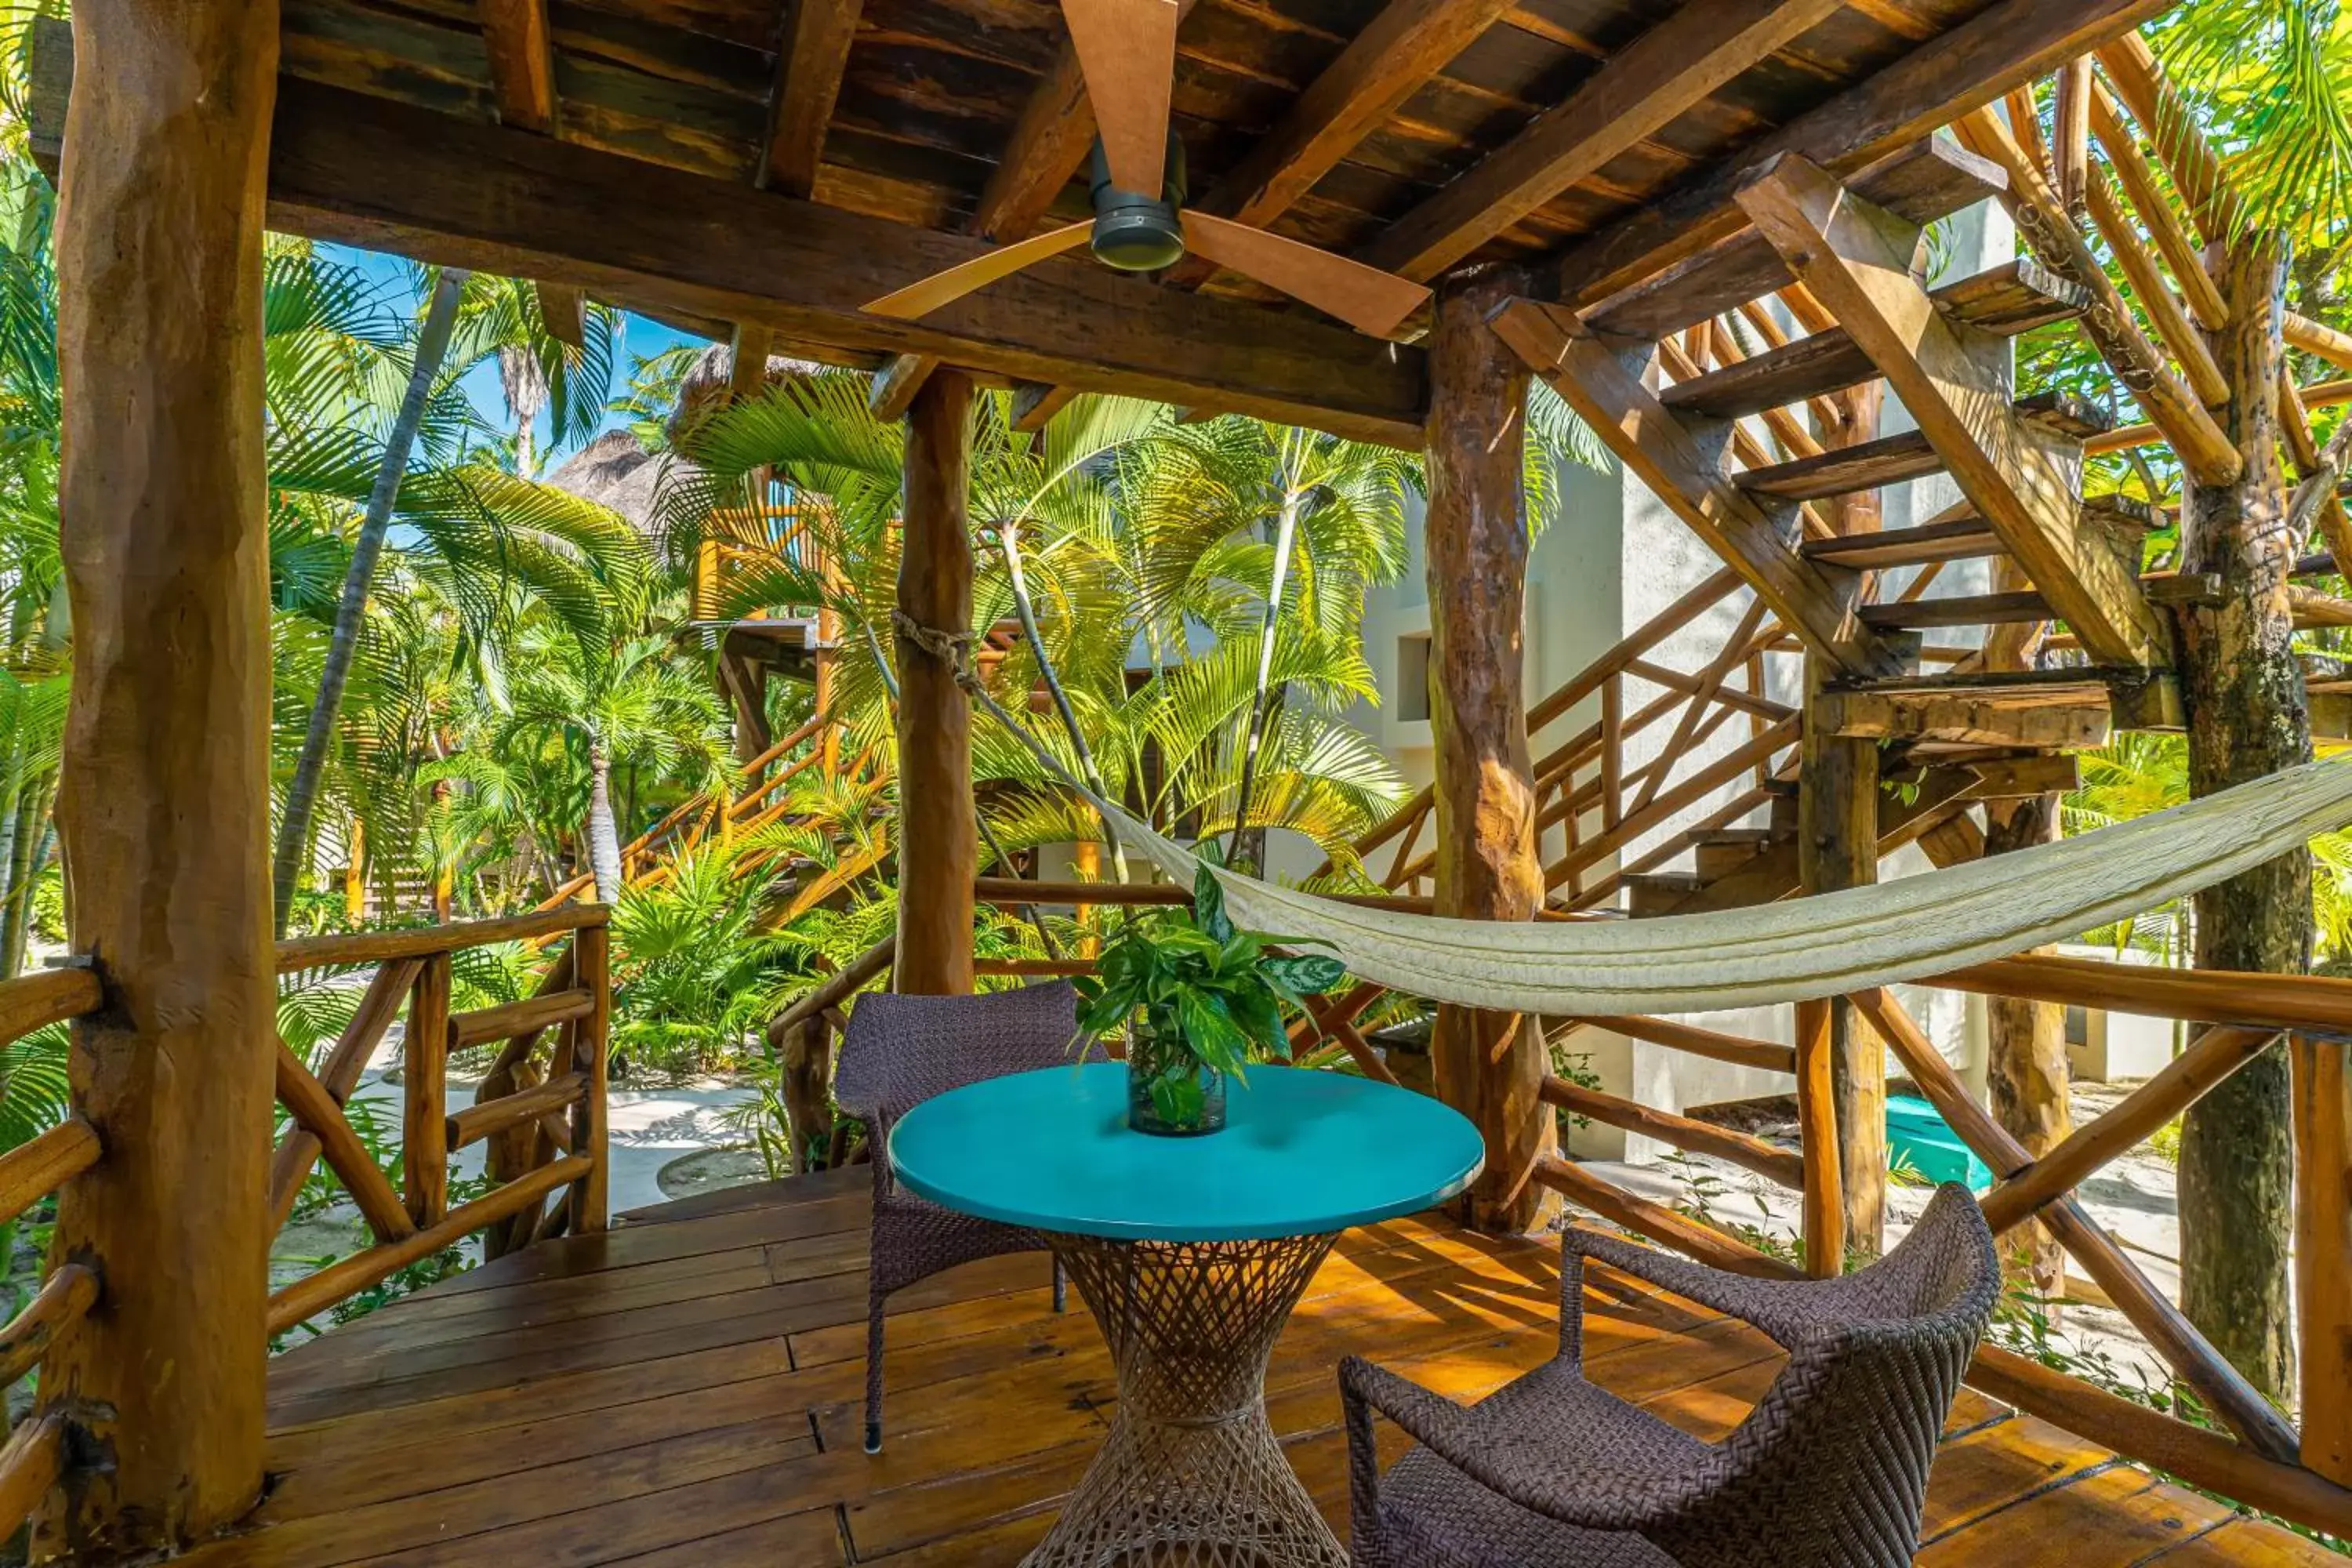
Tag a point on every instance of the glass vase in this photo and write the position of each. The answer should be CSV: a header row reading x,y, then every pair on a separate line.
x,y
1170,1093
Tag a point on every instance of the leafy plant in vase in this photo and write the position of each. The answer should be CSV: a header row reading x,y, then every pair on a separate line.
x,y
1196,996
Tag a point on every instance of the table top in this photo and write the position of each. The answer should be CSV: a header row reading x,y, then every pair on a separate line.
x,y
1303,1152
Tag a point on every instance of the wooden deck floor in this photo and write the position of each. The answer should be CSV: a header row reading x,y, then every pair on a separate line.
x,y
684,1392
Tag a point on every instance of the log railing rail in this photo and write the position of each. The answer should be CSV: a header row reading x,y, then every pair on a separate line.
x,y
2261,1458
2299,1470
544,1111
1593,798
35,1454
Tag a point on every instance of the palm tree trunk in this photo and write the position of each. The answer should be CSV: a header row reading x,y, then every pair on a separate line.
x,y
1008,535
303,793
1285,535
34,832
603,834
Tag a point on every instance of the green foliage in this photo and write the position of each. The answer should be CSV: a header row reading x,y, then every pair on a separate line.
x,y
1203,995
695,973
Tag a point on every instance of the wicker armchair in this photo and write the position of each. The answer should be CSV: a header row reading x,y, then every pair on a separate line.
x,y
899,1051
1830,1470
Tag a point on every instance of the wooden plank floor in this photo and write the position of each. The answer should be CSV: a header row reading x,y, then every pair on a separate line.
x,y
685,1391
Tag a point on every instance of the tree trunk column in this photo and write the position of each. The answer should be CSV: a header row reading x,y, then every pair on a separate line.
x,y
1489,1066
938,823
164,806
2025,1060
1837,847
2247,718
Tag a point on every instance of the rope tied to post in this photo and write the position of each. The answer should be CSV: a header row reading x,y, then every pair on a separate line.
x,y
950,649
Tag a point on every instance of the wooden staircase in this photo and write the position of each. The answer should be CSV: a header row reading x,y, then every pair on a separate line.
x,y
1663,375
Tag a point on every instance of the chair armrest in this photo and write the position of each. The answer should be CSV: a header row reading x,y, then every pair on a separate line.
x,y
1786,1311
1579,1478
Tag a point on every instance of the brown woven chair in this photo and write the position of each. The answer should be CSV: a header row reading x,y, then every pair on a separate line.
x,y
899,1051
1830,1470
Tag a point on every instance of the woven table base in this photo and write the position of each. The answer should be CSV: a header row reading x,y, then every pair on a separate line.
x,y
1191,1473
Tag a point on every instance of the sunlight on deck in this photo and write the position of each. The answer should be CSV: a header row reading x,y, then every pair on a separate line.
x,y
685,1391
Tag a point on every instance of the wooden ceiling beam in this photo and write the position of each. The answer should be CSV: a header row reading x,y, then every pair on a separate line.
x,y
522,83
895,383
1393,58
1035,403
809,68
1047,148
1965,68
522,63
1638,91
466,194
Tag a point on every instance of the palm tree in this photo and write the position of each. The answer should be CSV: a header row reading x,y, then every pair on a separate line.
x,y
538,371
591,708
294,826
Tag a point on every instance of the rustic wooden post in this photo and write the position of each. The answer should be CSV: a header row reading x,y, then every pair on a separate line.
x,y
2025,1059
1837,846
2323,1250
425,1095
1824,1216
163,808
938,823
592,970
1489,1066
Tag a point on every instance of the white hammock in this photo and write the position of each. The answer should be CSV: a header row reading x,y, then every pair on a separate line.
x,y
1825,945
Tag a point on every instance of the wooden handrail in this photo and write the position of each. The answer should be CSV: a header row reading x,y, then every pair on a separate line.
x,y
383,946
2212,1056
31,1170
1739,1051
307,1298
60,1304
1765,1160
2201,995
573,1000
46,996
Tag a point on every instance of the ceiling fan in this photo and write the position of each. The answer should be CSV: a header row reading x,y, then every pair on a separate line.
x,y
1127,52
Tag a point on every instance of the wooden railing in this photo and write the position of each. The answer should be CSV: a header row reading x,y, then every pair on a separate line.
x,y
2302,1473
2263,1460
1585,788
35,1454
650,858
544,1113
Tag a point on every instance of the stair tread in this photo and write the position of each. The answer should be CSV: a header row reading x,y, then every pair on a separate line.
x,y
1891,459
2011,298
1962,538
1960,610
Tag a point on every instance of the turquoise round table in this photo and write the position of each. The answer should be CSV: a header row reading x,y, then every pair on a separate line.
x,y
1191,1253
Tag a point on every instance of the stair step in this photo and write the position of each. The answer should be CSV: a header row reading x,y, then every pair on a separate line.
x,y
1716,855
1891,459
2006,300
1650,893
1926,180
1961,610
1962,538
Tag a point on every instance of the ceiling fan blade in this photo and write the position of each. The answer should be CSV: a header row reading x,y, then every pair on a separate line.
x,y
1366,298
1126,49
945,288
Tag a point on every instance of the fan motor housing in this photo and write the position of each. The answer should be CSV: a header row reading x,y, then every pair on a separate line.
x,y
1137,233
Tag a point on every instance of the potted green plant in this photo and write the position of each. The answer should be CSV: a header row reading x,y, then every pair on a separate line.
x,y
1195,996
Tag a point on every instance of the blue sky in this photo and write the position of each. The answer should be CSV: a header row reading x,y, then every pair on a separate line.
x,y
641,339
